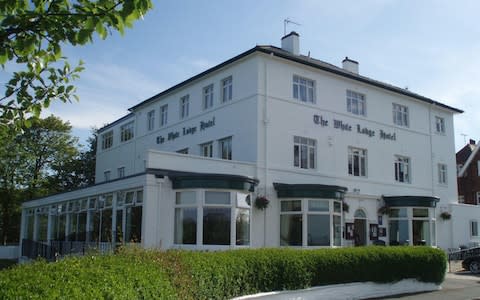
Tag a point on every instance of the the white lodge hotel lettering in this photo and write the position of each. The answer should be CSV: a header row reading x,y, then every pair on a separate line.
x,y
186,130
343,126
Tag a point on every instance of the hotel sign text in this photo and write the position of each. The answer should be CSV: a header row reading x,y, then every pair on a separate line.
x,y
343,126
173,135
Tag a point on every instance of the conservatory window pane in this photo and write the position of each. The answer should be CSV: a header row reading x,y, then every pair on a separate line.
x,y
318,230
291,230
186,225
216,225
242,220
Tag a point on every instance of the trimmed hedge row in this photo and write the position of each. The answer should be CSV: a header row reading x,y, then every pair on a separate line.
x,y
135,273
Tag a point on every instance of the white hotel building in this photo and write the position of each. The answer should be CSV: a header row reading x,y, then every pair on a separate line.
x,y
343,160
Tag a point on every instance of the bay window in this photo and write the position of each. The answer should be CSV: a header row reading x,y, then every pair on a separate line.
x,y
310,222
212,217
412,226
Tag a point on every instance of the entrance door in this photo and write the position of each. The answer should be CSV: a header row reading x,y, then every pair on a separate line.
x,y
360,228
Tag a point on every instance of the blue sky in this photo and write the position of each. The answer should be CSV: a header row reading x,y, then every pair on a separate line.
x,y
431,47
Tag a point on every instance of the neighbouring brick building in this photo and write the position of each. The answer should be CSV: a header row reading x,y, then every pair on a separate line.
x,y
468,166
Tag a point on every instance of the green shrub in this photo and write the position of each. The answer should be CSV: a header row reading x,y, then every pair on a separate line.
x,y
223,275
89,277
143,274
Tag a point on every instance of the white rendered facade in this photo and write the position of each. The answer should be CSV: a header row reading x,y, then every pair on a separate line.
x,y
306,135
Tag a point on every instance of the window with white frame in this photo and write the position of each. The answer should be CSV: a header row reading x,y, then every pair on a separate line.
x,y
474,228
107,140
357,162
442,173
400,115
356,103
402,169
477,196
163,115
205,217
411,226
461,199
208,97
184,106
128,214
310,222
151,120
303,89
227,89
206,149
127,132
304,152
107,175
440,125
478,167
121,172
225,148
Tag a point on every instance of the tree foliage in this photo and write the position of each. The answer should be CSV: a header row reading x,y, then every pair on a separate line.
x,y
41,160
32,34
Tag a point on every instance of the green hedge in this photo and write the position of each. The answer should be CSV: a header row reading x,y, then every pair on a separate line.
x,y
139,274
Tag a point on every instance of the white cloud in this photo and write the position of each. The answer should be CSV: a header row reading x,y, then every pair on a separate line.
x,y
106,92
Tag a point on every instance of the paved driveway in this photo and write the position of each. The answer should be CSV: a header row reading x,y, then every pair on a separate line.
x,y
457,286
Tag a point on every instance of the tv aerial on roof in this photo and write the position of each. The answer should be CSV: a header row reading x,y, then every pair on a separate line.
x,y
286,22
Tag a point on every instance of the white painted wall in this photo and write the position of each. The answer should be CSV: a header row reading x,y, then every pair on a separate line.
x,y
459,223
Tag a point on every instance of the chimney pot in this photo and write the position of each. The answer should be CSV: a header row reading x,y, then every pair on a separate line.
x,y
291,43
472,142
350,65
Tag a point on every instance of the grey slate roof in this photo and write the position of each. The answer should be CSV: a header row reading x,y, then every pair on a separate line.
x,y
302,59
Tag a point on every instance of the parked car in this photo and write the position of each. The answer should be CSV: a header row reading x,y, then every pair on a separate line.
x,y
472,264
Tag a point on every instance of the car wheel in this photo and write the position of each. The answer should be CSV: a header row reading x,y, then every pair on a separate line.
x,y
474,266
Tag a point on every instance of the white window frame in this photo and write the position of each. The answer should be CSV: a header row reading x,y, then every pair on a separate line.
x,y
442,173
208,97
402,163
184,106
163,115
334,209
127,131
304,146
225,144
357,156
206,149
473,228
121,172
477,198
409,217
461,199
356,103
478,167
107,140
151,120
107,175
400,115
227,89
303,89
200,204
440,125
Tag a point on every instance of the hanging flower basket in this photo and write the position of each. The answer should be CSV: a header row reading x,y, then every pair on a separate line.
x,y
345,207
446,215
261,202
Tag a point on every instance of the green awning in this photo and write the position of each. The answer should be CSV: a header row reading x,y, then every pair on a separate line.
x,y
285,190
213,181
416,201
